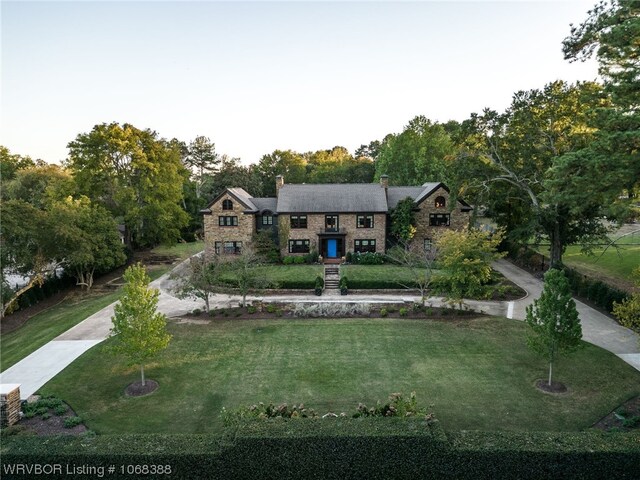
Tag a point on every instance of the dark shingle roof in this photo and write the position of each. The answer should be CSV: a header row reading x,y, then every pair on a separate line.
x,y
242,195
354,197
265,203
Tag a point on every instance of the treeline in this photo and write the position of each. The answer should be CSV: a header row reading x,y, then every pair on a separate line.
x,y
554,164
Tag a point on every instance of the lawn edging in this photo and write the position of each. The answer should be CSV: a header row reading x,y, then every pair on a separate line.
x,y
340,448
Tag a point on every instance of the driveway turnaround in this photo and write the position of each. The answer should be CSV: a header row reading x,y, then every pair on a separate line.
x,y
45,363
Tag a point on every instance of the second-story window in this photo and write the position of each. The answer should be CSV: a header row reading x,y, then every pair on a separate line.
x,y
439,219
228,221
364,221
267,219
440,202
227,204
298,221
331,223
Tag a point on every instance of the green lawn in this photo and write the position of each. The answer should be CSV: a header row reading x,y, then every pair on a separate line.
x,y
289,276
180,250
377,276
615,263
48,324
476,374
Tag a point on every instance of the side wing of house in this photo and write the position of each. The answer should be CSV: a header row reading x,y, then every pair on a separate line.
x,y
229,222
436,213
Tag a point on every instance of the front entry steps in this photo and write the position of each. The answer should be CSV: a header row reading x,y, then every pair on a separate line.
x,y
331,279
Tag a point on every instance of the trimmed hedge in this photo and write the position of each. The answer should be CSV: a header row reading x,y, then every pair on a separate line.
x,y
343,448
600,293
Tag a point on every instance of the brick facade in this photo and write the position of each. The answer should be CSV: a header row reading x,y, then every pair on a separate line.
x,y
346,224
459,220
213,232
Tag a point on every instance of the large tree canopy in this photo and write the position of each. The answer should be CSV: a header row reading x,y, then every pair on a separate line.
x,y
531,165
612,31
416,155
134,174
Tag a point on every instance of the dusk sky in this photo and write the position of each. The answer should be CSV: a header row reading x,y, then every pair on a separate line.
x,y
260,76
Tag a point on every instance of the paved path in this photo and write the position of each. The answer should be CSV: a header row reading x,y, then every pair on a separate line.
x,y
597,328
42,365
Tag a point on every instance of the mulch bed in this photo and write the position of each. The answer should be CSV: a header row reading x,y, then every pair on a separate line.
x,y
281,311
627,410
554,388
54,425
136,389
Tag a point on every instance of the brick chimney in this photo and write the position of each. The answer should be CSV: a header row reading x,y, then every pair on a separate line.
x,y
384,182
279,183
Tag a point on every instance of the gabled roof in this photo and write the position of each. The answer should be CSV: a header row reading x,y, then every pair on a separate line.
x,y
419,194
332,198
240,194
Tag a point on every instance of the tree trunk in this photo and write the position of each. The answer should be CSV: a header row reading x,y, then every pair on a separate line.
x,y
142,374
206,302
550,371
555,249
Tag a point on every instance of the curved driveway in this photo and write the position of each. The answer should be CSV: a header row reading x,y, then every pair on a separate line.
x,y
42,365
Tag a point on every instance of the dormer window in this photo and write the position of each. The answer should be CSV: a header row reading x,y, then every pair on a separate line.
x,y
227,204
440,202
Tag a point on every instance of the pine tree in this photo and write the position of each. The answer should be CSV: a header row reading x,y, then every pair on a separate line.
x,y
553,320
139,331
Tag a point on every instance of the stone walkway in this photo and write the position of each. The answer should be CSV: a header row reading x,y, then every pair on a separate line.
x,y
42,365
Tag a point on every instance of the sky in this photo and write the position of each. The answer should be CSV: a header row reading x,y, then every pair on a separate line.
x,y
259,76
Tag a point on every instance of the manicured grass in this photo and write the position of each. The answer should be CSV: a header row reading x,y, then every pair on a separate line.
x,y
614,263
47,325
476,374
289,276
377,276
180,250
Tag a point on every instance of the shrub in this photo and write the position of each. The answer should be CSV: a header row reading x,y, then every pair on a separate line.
x,y
46,416
288,260
383,312
396,406
403,312
196,311
367,258
72,422
631,422
271,308
60,410
251,309
331,310
417,307
298,260
311,257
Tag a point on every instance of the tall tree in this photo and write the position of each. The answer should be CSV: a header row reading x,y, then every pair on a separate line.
x,y
535,154
202,279
612,32
553,320
290,164
137,176
201,160
139,331
416,155
87,238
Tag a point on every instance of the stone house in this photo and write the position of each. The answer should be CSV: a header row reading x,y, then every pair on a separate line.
x,y
331,219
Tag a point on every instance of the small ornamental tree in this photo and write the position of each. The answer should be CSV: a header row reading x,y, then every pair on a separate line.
x,y
418,261
465,258
139,331
202,279
553,320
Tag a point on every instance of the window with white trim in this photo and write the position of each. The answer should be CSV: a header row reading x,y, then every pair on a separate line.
x,y
363,246
364,221
298,221
439,219
299,246
228,221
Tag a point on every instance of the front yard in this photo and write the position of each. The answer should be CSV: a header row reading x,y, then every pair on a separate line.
x,y
474,374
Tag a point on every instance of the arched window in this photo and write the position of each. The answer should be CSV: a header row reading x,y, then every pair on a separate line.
x,y
227,204
441,202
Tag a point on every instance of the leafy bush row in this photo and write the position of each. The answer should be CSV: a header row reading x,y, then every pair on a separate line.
x,y
600,293
338,448
366,258
309,258
50,287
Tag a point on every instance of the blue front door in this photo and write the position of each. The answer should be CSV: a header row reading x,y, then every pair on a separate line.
x,y
332,248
